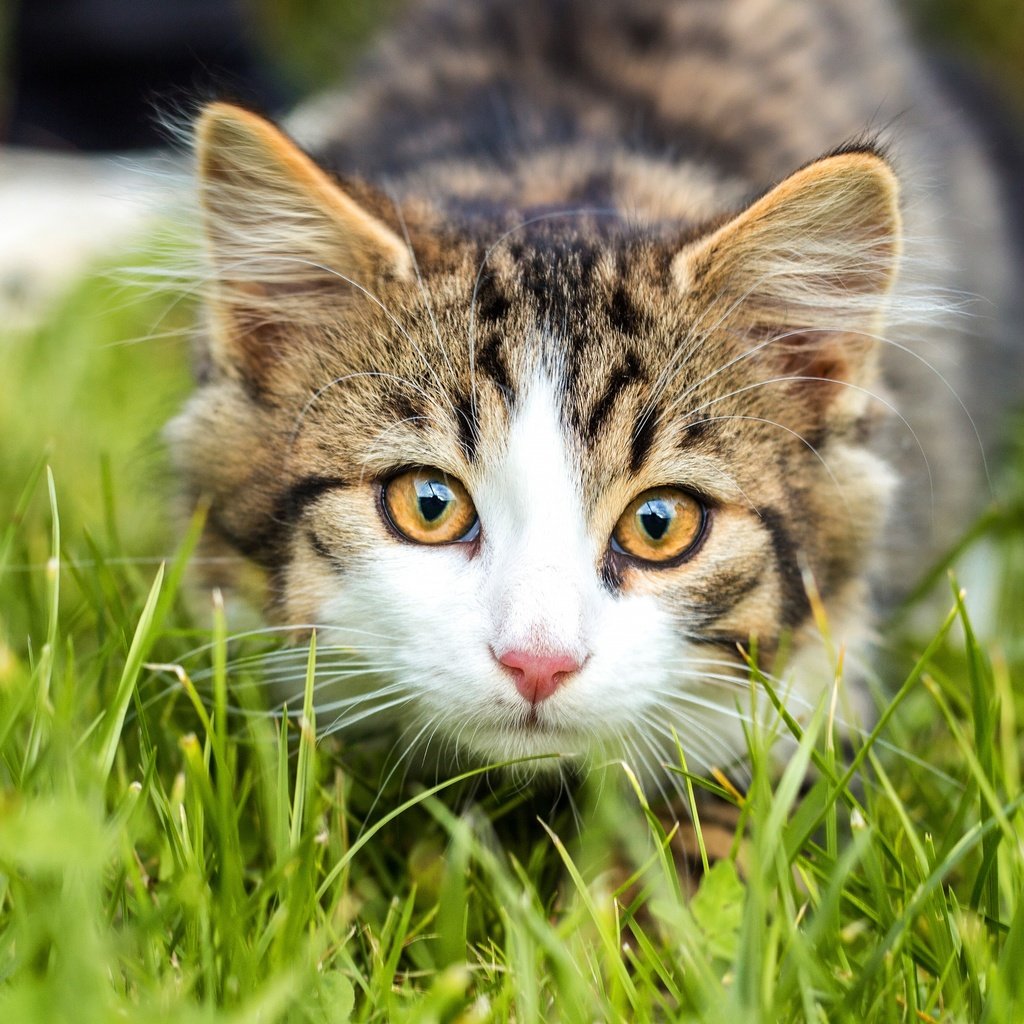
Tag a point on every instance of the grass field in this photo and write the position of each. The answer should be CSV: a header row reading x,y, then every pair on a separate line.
x,y
165,854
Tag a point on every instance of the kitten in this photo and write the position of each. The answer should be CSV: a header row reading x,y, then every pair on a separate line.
x,y
582,348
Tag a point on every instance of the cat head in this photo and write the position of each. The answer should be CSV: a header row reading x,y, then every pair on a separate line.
x,y
545,473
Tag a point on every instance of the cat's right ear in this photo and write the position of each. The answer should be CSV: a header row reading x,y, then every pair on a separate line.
x,y
278,230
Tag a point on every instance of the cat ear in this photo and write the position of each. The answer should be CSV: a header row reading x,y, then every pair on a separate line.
x,y
804,273
275,222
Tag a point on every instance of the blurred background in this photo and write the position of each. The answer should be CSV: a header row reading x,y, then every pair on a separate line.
x,y
89,74
93,356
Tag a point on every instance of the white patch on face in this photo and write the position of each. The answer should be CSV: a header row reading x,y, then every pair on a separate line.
x,y
541,591
438,619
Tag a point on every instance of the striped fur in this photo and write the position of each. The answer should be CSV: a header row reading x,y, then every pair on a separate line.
x,y
565,252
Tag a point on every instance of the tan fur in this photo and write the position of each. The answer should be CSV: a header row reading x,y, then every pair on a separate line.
x,y
243,158
712,316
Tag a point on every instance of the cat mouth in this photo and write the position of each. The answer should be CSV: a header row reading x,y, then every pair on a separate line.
x,y
522,720
531,723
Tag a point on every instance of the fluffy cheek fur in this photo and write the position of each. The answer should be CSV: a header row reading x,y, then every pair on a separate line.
x,y
585,366
433,620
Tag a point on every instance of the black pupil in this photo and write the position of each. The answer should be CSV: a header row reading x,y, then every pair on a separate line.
x,y
434,497
655,517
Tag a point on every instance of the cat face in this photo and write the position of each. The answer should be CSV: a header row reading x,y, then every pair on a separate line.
x,y
544,477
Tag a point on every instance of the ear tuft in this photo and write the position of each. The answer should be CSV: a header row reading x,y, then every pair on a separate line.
x,y
801,278
819,251
273,217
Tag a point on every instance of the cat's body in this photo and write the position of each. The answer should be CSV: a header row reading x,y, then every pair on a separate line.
x,y
562,293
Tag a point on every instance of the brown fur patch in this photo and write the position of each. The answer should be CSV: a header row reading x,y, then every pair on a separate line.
x,y
563,190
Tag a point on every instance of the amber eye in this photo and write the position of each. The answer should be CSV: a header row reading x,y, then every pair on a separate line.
x,y
659,525
428,507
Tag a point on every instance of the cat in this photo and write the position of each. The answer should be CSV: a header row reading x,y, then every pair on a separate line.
x,y
589,349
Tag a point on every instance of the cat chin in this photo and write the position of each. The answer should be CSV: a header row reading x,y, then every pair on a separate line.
x,y
543,750
565,755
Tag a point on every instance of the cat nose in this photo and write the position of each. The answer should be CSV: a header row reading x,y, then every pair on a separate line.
x,y
537,674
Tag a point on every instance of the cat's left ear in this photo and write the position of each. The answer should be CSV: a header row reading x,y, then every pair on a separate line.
x,y
804,273
274,220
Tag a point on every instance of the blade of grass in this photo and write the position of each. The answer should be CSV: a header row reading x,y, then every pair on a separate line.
x,y
110,734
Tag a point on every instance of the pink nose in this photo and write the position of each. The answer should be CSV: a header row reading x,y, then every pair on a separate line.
x,y
538,674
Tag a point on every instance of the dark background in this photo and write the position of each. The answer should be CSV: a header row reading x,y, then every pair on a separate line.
x,y
93,74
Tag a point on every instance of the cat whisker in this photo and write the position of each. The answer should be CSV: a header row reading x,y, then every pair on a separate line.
x,y
322,680
285,711
391,766
846,727
703,678
774,423
738,678
295,682
828,380
670,778
373,444
636,760
67,564
273,661
341,722
272,664
697,755
739,667
699,743
409,749
424,293
392,319
952,391
684,352
342,379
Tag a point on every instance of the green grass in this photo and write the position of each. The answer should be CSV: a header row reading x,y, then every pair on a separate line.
x,y
165,856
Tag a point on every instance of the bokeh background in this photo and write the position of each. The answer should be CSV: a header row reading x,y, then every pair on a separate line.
x,y
87,73
95,324
93,327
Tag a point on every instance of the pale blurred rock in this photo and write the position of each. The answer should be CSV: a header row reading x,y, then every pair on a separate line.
x,y
59,213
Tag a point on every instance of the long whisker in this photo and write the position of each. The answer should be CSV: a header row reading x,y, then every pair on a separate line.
x,y
319,393
395,322
800,437
424,294
274,631
847,384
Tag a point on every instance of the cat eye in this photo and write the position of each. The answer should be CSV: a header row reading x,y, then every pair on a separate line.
x,y
426,506
659,525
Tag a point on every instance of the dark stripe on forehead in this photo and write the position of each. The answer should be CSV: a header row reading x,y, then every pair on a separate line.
x,y
623,314
627,372
644,432
796,605
491,302
466,423
694,431
407,409
490,362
